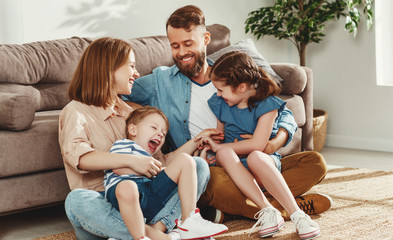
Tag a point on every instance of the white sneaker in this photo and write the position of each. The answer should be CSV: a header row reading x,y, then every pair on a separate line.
x,y
195,227
175,235
144,238
270,220
305,226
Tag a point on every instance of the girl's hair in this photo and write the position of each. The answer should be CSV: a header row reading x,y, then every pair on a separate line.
x,y
234,68
140,113
186,17
93,80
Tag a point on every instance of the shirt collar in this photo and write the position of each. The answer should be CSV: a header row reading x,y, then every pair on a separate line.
x,y
120,109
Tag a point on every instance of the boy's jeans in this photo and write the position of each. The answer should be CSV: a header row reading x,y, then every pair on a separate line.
x,y
93,217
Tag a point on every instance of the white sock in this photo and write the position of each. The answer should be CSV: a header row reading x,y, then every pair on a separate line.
x,y
297,214
269,207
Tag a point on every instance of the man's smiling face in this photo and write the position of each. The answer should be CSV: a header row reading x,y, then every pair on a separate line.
x,y
188,49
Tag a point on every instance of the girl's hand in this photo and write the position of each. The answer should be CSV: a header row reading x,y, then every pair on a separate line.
x,y
215,134
208,142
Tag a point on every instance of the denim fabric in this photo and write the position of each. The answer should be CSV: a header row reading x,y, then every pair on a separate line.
x,y
153,193
93,217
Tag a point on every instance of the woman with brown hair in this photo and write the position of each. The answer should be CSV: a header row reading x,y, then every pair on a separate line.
x,y
88,126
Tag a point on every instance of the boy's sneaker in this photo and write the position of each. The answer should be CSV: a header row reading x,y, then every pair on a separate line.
x,y
175,235
314,203
195,227
144,238
270,222
305,226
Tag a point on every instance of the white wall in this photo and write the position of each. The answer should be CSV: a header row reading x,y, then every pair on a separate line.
x,y
360,112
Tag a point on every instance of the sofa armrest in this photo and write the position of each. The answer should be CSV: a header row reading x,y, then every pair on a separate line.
x,y
17,111
298,80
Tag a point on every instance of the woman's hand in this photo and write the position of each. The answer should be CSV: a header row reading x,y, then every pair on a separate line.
x,y
147,166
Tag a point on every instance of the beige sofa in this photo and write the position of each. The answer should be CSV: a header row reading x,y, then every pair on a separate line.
x,y
33,90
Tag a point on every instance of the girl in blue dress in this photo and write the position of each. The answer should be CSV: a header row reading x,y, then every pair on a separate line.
x,y
246,103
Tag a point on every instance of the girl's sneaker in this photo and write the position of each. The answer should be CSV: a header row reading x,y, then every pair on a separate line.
x,y
270,222
305,226
195,227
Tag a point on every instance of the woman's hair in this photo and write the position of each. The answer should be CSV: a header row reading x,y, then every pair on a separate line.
x,y
186,17
234,68
93,80
140,113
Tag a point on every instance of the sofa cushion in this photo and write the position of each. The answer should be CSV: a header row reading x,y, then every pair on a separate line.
x,y
31,190
151,52
48,96
33,150
40,70
40,62
295,77
295,103
220,38
248,47
16,111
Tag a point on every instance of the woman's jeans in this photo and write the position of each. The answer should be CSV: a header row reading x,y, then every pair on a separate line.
x,y
93,217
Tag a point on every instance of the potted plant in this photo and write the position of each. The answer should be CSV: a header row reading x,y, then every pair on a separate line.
x,y
303,22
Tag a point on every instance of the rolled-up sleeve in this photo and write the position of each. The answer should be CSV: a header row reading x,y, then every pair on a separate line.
x,y
287,121
86,128
73,138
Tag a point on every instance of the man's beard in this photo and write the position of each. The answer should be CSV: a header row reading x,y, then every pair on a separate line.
x,y
194,70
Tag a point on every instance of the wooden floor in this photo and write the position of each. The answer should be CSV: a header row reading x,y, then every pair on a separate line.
x,y
52,220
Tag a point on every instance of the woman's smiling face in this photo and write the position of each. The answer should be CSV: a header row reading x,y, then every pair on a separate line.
x,y
126,75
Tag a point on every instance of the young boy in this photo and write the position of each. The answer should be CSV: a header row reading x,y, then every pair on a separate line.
x,y
139,198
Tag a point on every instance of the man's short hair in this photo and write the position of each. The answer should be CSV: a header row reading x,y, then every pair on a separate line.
x,y
186,17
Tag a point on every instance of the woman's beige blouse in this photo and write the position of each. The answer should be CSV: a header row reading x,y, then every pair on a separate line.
x,y
83,129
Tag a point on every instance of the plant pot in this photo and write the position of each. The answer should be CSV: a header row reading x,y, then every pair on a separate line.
x,y
319,128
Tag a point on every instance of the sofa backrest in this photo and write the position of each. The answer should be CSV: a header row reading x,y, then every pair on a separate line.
x,y
42,70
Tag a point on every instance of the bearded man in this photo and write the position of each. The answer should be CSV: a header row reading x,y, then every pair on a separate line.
x,y
181,92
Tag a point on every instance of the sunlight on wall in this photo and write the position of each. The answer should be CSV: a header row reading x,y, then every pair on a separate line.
x,y
384,42
11,22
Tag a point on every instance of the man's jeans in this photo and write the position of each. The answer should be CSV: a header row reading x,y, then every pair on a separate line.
x,y
93,217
